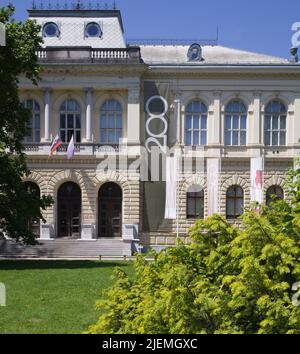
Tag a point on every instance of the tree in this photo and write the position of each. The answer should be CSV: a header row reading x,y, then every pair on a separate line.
x,y
17,58
228,280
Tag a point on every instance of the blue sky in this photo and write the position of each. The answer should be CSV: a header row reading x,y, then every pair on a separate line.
x,y
262,26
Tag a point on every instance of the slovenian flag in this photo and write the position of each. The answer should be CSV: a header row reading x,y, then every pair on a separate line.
x,y
71,148
56,143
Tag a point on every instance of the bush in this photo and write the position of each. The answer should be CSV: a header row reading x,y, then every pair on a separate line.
x,y
228,280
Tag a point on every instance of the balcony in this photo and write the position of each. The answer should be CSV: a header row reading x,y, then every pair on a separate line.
x,y
129,55
83,149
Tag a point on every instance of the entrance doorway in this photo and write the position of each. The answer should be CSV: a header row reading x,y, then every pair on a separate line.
x,y
110,210
69,210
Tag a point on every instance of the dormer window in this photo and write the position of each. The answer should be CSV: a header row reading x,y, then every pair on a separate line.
x,y
195,53
50,29
93,29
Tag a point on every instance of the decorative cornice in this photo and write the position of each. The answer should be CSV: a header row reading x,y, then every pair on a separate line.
x,y
224,75
125,70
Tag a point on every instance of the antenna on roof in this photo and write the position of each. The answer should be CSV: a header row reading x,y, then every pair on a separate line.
x,y
114,5
217,39
33,4
78,5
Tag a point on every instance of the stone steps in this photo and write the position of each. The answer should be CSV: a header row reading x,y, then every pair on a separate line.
x,y
63,248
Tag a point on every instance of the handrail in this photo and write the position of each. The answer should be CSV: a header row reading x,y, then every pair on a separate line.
x,y
88,54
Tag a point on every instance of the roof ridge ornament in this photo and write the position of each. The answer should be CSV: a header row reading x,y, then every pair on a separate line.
x,y
78,5
73,5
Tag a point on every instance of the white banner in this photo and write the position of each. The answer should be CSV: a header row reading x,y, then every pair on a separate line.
x,y
257,170
213,167
171,187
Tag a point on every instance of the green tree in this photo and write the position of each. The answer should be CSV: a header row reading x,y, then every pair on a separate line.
x,y
228,280
17,58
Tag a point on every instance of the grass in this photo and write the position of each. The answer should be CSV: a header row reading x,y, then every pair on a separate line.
x,y
53,296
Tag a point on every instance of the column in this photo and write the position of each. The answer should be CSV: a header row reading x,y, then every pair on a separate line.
x,y
89,107
214,122
133,116
254,121
295,121
47,102
177,115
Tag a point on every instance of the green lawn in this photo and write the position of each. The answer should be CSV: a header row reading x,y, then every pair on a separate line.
x,y
53,296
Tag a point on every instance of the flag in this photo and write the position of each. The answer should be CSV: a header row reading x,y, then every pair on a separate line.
x,y
71,148
171,187
56,143
257,180
213,171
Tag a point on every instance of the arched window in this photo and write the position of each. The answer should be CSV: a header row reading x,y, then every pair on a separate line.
x,y
274,193
235,123
234,202
275,124
111,124
34,125
70,121
195,202
33,223
196,123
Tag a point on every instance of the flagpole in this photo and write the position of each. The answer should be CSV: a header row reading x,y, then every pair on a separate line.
x,y
177,204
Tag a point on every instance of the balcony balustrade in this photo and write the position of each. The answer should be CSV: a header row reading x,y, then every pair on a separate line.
x,y
129,55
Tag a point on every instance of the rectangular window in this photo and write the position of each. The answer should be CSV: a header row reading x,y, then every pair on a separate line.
x,y
243,138
188,138
274,138
227,138
196,138
267,138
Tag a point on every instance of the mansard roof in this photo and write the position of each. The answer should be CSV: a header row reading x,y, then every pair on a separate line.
x,y
212,54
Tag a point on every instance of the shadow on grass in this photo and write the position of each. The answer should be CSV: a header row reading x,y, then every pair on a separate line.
x,y
58,264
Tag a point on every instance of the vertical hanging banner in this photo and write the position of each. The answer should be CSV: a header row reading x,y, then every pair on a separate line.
x,y
257,169
156,117
213,171
156,97
171,187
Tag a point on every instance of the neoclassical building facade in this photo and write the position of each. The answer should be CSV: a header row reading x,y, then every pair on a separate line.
x,y
222,105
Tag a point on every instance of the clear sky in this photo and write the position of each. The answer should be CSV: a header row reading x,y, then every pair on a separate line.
x,y
262,26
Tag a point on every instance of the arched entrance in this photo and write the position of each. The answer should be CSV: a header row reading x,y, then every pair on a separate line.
x,y
110,210
33,223
69,210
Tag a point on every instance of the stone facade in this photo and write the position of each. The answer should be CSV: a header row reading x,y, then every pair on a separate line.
x,y
92,80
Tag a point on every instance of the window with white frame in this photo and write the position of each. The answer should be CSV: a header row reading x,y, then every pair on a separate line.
x,y
70,121
196,123
34,125
275,124
111,124
235,123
